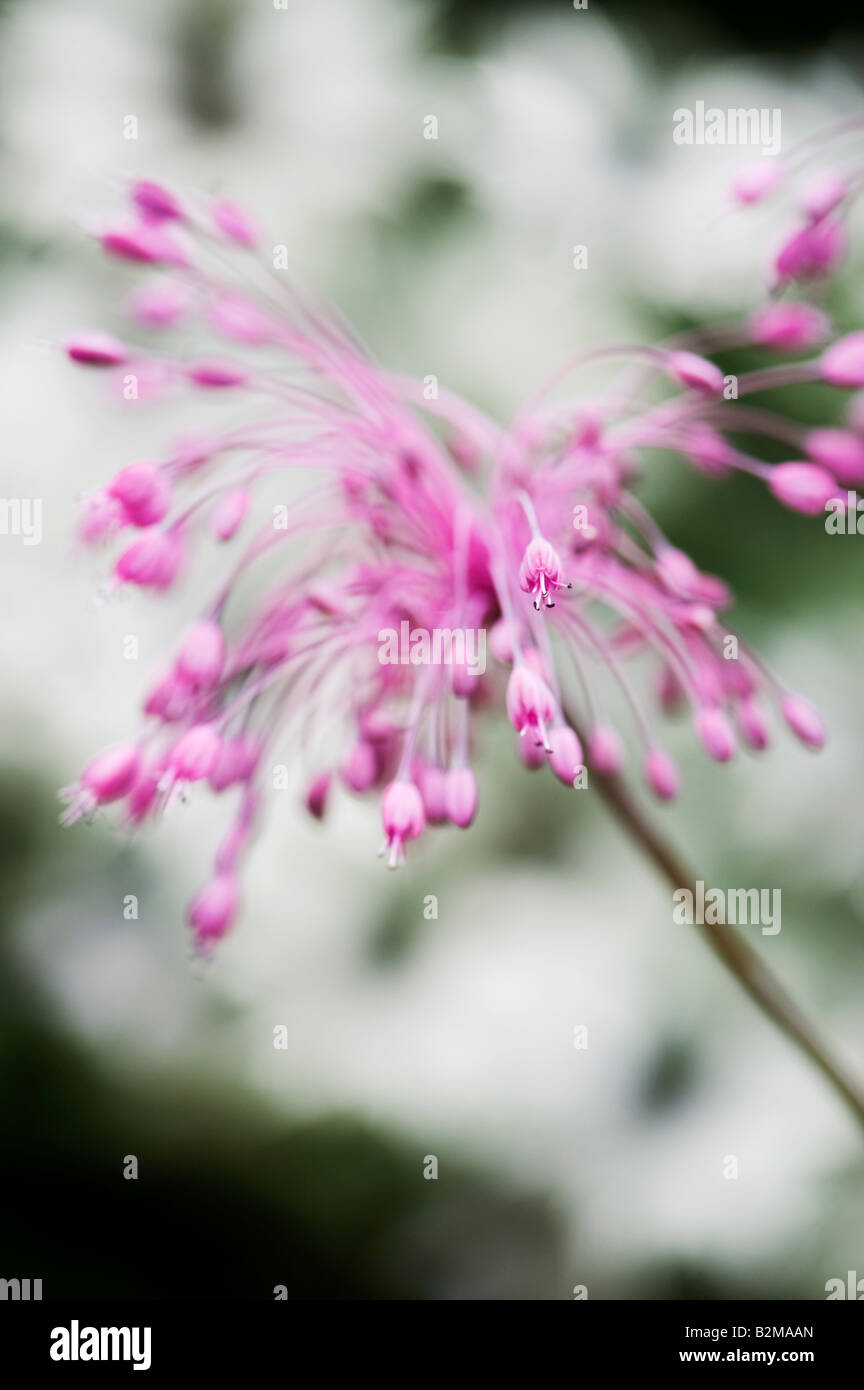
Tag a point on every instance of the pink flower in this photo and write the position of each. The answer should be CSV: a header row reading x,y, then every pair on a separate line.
x,y
403,818
540,572
385,534
530,705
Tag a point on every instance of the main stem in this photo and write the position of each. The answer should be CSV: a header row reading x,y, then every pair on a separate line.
x,y
747,967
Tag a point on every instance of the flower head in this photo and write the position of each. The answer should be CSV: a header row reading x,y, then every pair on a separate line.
x,y
388,532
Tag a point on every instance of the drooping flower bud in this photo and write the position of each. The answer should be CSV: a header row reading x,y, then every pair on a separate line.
x,y
842,364
202,655
144,492
756,180
154,202
112,773
153,561
812,251
100,516
316,795
159,304
823,194
230,514
213,911
432,782
234,223
804,720
789,325
661,774
752,727
360,767
696,372
215,376
97,350
804,487
605,750
194,755
566,757
461,796
841,452
715,734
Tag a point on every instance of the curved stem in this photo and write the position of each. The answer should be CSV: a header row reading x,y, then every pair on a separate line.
x,y
738,957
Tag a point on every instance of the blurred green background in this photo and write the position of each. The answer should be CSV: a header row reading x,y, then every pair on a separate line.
x,y
303,1166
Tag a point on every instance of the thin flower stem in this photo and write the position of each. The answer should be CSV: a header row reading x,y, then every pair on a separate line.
x,y
748,968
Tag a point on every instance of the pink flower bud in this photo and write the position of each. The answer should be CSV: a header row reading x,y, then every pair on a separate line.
x,y
530,705
230,514
360,767
233,223
814,250
214,376
194,755
605,750
169,700
802,486
463,680
715,734
566,757
97,350
202,655
112,773
841,452
432,782
677,570
153,561
823,194
843,363
804,721
100,516
661,774
144,492
461,796
154,202
159,304
143,796
531,755
316,795
240,319
756,181
788,325
695,372
144,243
235,762
214,909
502,641
403,818
751,725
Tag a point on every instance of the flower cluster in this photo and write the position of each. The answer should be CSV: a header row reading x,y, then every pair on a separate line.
x,y
423,509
